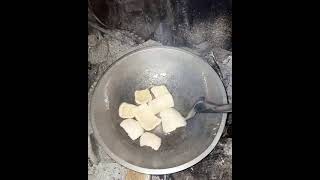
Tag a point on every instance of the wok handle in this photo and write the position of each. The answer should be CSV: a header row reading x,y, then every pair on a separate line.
x,y
210,107
219,108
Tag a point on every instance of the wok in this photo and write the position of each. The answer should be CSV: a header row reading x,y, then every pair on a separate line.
x,y
187,77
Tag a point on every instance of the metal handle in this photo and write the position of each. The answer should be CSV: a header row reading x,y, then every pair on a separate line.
x,y
204,106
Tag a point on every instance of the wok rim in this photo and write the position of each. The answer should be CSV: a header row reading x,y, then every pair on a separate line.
x,y
165,170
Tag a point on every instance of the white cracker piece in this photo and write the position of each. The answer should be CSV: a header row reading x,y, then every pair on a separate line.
x,y
158,91
146,118
132,128
126,110
171,120
161,103
151,140
142,96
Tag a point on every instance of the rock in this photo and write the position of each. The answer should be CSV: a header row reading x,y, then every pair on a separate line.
x,y
99,53
220,33
221,61
133,5
139,16
202,47
227,149
109,171
196,34
92,40
216,165
186,175
92,73
91,154
132,175
115,44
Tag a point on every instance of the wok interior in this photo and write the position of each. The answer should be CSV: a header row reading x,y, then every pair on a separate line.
x,y
186,77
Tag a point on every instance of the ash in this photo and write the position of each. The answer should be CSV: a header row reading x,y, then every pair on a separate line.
x,y
203,28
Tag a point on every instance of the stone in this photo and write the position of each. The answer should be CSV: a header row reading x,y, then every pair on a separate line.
x,y
92,40
132,175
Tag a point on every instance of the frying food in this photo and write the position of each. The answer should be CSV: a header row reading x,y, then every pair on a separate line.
x,y
161,103
143,116
146,118
151,140
158,91
132,128
171,120
142,96
126,110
